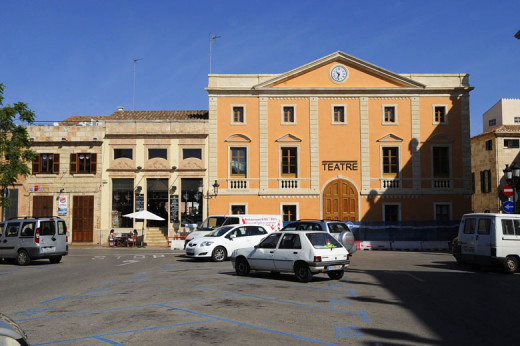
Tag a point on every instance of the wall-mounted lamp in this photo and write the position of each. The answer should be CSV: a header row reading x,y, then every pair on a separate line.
x,y
174,168
173,189
94,139
62,190
138,189
215,188
139,168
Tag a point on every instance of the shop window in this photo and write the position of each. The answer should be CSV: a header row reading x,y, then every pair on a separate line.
x,y
238,162
46,164
83,163
289,162
192,153
123,153
158,153
390,161
122,202
441,162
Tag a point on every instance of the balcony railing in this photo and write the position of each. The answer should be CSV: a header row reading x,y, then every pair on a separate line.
x,y
238,184
390,183
289,183
441,183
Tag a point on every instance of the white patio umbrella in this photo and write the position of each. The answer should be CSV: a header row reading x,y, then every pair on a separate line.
x,y
143,215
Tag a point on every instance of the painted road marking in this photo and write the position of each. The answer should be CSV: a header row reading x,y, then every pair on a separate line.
x,y
347,331
339,302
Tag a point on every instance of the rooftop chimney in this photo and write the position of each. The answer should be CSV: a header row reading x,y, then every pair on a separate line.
x,y
120,108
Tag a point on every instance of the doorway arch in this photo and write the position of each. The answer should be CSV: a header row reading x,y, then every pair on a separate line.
x,y
340,201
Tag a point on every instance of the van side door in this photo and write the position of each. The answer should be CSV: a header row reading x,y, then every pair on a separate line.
x,y
467,236
483,237
10,243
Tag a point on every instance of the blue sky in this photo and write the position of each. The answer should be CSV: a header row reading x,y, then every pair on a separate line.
x,y
75,57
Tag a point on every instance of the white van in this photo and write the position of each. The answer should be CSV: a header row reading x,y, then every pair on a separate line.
x,y
270,222
489,239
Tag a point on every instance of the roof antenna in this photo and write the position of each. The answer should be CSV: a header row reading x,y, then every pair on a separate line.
x,y
212,37
133,94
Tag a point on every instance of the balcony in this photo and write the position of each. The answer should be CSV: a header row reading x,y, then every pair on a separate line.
x,y
238,184
441,184
293,183
390,183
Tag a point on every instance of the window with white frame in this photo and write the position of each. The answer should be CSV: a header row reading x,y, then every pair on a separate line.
x,y
288,115
289,162
238,116
238,209
289,212
339,114
390,161
389,114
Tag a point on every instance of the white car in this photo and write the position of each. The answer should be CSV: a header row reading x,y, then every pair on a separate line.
x,y
218,244
303,252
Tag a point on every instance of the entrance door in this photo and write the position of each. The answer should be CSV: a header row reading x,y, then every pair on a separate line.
x,y
42,206
340,201
83,219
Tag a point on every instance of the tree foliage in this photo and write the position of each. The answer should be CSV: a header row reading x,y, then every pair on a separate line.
x,y
15,153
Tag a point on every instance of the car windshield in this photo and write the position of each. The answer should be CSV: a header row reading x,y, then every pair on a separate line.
x,y
337,227
323,240
219,232
212,222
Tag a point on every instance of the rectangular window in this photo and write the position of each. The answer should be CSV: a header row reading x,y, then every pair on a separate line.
x,y
485,181
46,164
484,226
492,122
470,226
510,228
442,212
289,162
389,114
238,114
123,153
159,153
83,163
390,161
339,114
439,114
192,153
239,162
289,213
441,162
238,209
489,145
391,212
288,114
517,120
511,143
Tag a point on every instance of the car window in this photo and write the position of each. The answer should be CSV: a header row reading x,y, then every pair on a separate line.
x,y
238,232
290,241
62,228
255,230
507,227
484,226
47,228
469,225
322,240
517,226
291,227
232,221
12,229
337,227
28,229
270,241
310,226
219,231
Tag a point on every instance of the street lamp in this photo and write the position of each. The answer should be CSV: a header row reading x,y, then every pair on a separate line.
x,y
512,176
208,196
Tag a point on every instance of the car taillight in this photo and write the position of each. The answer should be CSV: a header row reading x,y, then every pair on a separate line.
x,y
348,256
37,236
317,258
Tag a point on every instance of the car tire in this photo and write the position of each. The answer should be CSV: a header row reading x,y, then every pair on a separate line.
x,y
336,274
22,258
55,259
511,264
302,272
219,254
242,267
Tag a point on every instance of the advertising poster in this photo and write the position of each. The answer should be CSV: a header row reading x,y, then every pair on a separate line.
x,y
62,205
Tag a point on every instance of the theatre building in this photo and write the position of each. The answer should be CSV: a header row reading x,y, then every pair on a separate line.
x,y
340,138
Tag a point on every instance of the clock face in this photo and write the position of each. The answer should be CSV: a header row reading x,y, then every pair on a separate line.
x,y
338,73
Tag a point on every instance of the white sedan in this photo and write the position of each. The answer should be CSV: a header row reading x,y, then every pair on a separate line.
x,y
221,242
303,252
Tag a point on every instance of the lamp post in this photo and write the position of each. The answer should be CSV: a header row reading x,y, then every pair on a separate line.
x,y
208,196
512,175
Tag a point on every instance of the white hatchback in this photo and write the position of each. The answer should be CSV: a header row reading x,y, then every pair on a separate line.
x,y
303,252
221,242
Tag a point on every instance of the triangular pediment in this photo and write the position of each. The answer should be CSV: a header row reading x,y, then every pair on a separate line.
x,y
288,138
238,138
440,138
390,138
360,74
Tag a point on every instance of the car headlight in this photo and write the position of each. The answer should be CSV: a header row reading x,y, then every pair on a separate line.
x,y
206,243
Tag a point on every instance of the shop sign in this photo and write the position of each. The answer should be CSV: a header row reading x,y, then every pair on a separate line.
x,y
174,208
339,165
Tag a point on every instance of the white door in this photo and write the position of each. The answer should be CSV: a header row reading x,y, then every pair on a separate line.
x,y
483,237
467,236
9,244
288,252
236,239
261,258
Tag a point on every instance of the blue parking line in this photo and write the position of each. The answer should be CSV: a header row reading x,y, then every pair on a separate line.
x,y
102,337
53,299
9,272
252,326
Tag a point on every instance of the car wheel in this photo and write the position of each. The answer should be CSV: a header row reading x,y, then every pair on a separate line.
x,y
336,274
242,267
511,264
302,272
219,254
55,259
23,258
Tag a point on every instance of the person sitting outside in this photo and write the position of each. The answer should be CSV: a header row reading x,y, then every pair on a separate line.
x,y
112,239
132,239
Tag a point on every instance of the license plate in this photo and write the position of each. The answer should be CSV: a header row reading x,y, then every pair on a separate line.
x,y
338,267
47,249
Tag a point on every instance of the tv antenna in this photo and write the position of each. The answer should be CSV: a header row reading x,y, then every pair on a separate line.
x,y
133,94
212,37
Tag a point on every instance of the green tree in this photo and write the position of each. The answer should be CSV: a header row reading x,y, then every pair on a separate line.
x,y
14,144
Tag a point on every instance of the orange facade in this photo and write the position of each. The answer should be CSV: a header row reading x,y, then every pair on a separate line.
x,y
340,138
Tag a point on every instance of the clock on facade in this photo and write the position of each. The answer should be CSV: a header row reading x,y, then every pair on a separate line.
x,y
339,73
